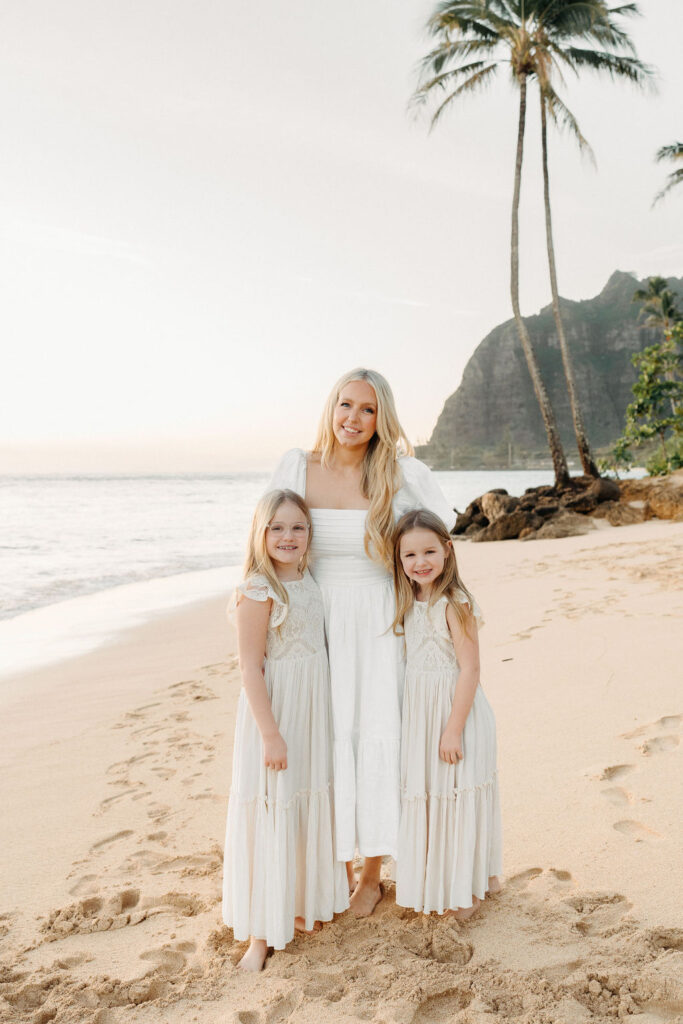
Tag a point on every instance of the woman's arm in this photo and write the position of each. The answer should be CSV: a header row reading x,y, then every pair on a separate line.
x,y
252,629
466,646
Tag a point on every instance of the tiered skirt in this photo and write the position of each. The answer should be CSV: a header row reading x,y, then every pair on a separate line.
x,y
450,839
279,846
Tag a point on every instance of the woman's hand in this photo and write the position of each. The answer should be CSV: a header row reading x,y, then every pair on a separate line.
x,y
275,752
450,747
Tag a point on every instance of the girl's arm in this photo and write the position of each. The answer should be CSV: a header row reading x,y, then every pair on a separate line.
x,y
467,652
252,628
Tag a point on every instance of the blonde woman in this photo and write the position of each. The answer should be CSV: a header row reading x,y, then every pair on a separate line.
x,y
359,478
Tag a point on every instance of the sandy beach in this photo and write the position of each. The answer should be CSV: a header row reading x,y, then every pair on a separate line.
x,y
114,784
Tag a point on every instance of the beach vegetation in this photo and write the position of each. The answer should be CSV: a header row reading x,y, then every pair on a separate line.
x,y
672,154
536,40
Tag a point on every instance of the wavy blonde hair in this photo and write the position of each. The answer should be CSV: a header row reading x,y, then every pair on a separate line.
x,y
448,583
380,472
258,561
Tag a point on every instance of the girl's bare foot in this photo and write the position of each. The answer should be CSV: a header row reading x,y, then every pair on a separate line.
x,y
300,926
494,885
255,956
365,898
351,877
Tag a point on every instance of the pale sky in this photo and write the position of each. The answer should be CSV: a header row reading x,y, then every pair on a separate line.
x,y
211,210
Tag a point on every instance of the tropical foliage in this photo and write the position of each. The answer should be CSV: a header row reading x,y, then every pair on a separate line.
x,y
674,154
656,412
535,40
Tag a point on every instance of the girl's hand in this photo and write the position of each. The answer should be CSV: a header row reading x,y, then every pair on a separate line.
x,y
275,752
450,747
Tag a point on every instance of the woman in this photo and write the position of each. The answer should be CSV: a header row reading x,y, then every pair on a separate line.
x,y
359,478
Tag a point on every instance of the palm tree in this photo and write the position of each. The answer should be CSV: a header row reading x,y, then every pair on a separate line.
x,y
658,305
674,152
534,38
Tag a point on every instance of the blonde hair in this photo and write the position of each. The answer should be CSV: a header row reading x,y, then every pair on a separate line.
x,y
258,561
380,472
448,583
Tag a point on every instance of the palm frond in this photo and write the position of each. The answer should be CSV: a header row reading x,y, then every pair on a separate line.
x,y
472,84
616,65
436,59
672,152
676,178
445,79
562,116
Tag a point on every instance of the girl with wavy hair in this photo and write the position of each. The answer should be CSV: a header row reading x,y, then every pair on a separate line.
x,y
357,481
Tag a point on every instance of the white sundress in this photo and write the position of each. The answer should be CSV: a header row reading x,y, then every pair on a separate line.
x,y
450,840
279,842
366,659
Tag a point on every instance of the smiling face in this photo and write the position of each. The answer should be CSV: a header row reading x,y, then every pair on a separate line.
x,y
355,414
423,556
287,535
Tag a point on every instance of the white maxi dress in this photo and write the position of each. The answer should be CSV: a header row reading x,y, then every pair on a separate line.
x,y
450,840
279,842
366,660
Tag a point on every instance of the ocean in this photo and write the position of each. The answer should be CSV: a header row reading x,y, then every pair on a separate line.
x,y
82,557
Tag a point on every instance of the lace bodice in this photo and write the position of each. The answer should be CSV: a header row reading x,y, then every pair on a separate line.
x,y
429,646
294,632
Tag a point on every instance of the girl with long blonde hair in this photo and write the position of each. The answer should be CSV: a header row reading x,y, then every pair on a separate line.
x,y
358,479
449,843
280,871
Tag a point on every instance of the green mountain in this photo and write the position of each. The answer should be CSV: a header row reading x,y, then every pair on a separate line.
x,y
493,418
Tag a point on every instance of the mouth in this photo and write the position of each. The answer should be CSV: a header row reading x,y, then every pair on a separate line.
x,y
287,547
422,572
351,431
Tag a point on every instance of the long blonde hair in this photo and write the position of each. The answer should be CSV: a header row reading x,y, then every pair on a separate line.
x,y
258,561
380,472
448,583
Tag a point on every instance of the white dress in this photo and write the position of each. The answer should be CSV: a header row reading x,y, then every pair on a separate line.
x,y
450,840
366,659
279,842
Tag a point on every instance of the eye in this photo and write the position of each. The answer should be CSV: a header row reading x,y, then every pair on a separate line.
x,y
275,528
369,409
300,528
343,404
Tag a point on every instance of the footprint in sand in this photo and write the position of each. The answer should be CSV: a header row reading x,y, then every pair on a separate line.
x,y
108,840
617,795
616,771
658,744
521,880
169,960
559,875
599,913
443,1007
635,830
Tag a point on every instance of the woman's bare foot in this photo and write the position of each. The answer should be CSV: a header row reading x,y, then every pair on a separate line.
x,y
255,956
300,926
365,898
465,913
494,886
351,877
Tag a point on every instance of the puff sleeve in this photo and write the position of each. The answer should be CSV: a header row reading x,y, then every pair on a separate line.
x,y
290,472
421,490
257,588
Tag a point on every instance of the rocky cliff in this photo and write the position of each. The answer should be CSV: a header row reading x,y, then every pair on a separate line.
x,y
493,418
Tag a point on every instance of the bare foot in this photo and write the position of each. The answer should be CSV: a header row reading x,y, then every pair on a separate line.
x,y
494,885
300,926
365,898
465,913
351,877
255,956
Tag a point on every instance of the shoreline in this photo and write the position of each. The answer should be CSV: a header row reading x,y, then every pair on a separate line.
x,y
120,769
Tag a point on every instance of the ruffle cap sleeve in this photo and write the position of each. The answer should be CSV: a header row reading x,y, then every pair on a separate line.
x,y
420,489
290,472
476,610
257,588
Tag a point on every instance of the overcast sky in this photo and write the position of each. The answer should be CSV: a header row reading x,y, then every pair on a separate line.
x,y
211,210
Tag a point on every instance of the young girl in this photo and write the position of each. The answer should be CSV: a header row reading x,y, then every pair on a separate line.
x,y
449,846
280,872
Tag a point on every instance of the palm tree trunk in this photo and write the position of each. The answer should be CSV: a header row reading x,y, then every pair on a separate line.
x,y
582,444
554,442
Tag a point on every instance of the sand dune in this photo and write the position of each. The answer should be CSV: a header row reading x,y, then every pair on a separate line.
x,y
110,909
